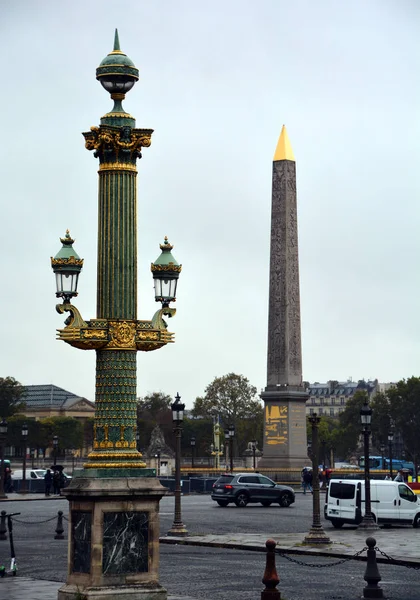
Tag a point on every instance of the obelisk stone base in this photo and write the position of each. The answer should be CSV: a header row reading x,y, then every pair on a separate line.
x,y
285,442
113,538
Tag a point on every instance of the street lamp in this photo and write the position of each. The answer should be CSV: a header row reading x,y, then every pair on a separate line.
x,y
366,418
254,445
55,446
3,434
231,436
192,443
178,527
382,449
24,439
115,469
390,440
316,535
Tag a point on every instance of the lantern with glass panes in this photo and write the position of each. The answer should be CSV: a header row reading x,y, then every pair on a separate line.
x,y
66,265
165,271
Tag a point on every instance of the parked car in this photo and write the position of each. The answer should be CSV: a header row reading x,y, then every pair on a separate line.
x,y
243,488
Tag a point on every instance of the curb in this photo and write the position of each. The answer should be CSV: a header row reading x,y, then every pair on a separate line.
x,y
280,550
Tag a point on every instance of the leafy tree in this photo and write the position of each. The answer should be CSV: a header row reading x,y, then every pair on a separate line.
x,y
327,435
381,419
11,397
404,401
68,430
154,409
347,436
156,404
234,399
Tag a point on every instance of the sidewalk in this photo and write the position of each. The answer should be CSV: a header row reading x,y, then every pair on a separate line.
x,y
400,544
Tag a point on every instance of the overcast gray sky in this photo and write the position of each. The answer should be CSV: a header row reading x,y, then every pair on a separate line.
x,y
217,81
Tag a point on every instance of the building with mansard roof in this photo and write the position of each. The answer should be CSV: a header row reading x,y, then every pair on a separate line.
x,y
44,401
329,399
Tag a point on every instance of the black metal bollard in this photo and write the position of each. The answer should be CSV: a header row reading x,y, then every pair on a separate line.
x,y
59,530
372,576
270,578
3,529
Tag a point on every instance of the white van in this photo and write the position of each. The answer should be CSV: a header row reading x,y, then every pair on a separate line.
x,y
391,502
30,474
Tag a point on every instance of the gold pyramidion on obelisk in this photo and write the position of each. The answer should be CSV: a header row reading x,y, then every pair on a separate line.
x,y
284,147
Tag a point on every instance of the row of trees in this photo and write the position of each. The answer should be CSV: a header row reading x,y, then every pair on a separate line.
x,y
398,409
231,399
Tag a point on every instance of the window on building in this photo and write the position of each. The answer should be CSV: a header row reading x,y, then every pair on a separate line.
x,y
311,411
332,401
331,412
321,411
342,401
322,401
313,400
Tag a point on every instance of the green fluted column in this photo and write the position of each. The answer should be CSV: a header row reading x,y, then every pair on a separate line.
x,y
117,243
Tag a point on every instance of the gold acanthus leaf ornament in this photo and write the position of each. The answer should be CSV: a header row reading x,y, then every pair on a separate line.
x,y
100,138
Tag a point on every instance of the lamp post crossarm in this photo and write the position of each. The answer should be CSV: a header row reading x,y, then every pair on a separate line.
x,y
115,334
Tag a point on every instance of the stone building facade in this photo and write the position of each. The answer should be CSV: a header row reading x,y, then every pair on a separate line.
x,y
329,399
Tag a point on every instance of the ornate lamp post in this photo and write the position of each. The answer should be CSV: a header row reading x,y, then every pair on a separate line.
x,y
382,449
178,527
366,418
231,436
390,440
55,447
3,435
24,445
115,476
254,445
316,535
192,444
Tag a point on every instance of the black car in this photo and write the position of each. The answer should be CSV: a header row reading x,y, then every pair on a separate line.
x,y
242,488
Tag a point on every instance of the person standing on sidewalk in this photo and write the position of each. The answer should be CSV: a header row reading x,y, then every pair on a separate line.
x,y
48,482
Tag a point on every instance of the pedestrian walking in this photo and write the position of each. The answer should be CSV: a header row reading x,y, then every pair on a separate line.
x,y
307,480
48,479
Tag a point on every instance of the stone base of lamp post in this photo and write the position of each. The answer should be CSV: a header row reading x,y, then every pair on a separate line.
x,y
113,537
316,537
178,529
368,522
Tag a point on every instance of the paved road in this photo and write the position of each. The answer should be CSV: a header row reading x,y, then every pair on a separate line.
x,y
219,574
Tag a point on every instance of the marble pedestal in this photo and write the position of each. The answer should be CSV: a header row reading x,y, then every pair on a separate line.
x,y
285,442
113,538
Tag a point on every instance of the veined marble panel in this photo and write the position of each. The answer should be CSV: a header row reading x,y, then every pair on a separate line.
x,y
125,543
82,530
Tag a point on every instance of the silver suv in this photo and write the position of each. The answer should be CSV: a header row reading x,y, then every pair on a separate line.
x,y
242,488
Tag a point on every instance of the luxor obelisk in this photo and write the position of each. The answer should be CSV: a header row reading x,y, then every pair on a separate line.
x,y
285,396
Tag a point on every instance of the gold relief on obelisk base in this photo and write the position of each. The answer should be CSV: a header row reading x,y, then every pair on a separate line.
x,y
276,418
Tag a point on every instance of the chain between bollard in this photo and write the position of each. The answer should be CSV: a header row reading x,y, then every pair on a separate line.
x,y
319,566
32,522
395,561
